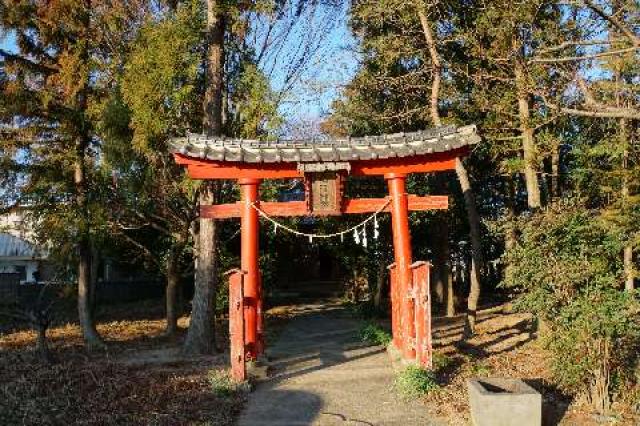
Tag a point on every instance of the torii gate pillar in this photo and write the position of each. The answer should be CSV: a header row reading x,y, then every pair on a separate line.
x,y
249,246
402,254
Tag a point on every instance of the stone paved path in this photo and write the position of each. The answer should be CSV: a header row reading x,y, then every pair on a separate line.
x,y
323,375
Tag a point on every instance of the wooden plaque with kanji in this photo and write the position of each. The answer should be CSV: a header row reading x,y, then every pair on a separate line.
x,y
325,193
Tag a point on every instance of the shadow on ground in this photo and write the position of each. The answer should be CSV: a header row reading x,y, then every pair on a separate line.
x,y
319,359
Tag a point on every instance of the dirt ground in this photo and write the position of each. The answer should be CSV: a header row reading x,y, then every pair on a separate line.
x,y
141,379
505,345
322,373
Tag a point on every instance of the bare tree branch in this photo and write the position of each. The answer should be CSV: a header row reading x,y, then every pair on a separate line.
x,y
567,44
624,29
582,57
603,112
436,68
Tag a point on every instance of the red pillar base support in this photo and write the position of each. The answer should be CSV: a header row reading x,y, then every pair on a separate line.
x,y
237,326
422,309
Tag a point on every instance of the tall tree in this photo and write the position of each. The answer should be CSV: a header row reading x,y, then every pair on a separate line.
x,y
49,90
200,338
157,94
461,172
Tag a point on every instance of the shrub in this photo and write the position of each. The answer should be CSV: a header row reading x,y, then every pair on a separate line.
x,y
374,334
568,266
414,382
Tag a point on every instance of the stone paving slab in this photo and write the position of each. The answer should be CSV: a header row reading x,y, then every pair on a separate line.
x,y
323,375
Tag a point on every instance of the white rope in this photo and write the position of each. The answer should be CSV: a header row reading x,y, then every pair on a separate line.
x,y
341,234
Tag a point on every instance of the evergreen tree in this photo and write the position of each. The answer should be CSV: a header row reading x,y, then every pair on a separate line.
x,y
50,92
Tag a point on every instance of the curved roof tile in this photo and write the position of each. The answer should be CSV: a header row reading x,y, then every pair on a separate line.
x,y
424,142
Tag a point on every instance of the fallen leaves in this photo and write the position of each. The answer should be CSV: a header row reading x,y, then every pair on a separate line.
x,y
505,345
106,388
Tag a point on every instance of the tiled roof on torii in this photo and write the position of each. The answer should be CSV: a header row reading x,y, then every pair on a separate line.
x,y
398,145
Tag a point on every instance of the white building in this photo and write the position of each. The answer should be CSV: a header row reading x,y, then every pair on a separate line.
x,y
17,253
20,256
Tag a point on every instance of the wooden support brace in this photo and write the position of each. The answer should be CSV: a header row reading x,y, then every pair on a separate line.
x,y
300,208
237,325
422,312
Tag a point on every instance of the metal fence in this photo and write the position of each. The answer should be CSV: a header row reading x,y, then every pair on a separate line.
x,y
14,293
128,291
9,284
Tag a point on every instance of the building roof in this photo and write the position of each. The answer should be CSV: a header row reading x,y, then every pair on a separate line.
x,y
441,139
15,247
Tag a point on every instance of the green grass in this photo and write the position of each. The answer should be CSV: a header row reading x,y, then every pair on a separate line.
x,y
221,384
374,334
414,382
480,369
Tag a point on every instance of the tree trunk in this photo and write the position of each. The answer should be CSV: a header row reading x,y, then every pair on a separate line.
x,y
528,142
441,257
213,96
201,334
627,252
380,279
555,170
93,289
436,68
441,270
91,337
171,294
463,178
628,268
42,348
451,302
510,232
476,247
472,301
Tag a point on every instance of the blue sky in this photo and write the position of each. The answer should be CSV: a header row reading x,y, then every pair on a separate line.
x,y
7,42
335,60
333,64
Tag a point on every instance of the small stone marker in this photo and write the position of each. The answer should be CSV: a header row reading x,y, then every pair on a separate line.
x,y
504,402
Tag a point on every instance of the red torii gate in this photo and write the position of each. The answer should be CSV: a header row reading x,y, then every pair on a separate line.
x,y
324,165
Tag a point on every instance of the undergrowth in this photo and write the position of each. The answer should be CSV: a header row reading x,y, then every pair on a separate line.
x,y
222,385
440,361
374,334
414,382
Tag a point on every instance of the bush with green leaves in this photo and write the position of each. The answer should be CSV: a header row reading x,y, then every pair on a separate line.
x,y
374,334
568,267
414,382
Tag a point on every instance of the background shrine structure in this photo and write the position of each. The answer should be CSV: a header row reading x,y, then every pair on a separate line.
x,y
324,166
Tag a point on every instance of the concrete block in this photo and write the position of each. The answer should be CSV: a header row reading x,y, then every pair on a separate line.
x,y
504,402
